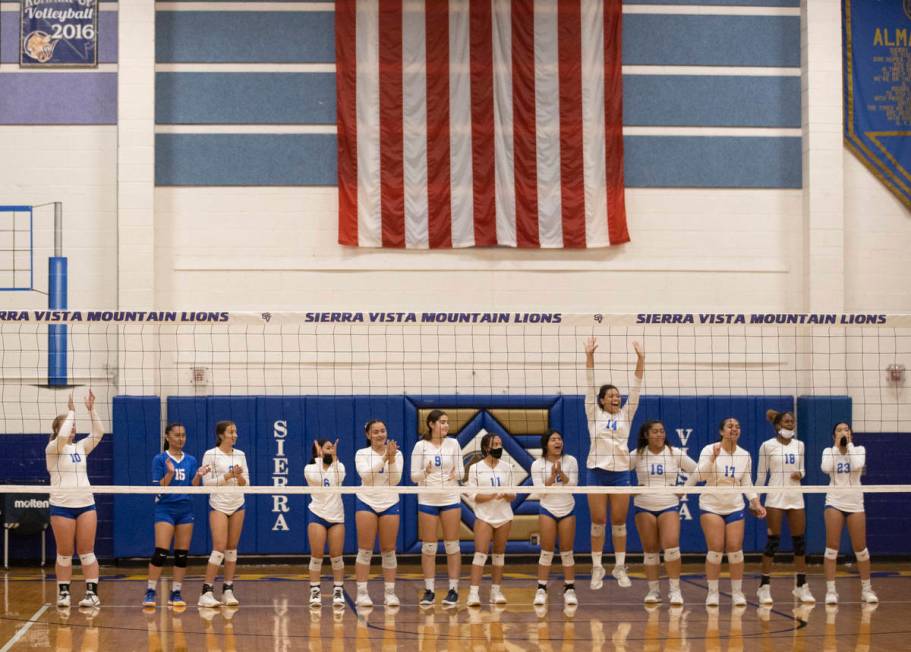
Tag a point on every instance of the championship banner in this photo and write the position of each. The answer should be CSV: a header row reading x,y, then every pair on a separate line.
x,y
877,87
58,33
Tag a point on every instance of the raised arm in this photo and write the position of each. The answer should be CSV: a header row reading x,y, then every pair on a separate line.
x,y
97,427
591,345
418,471
210,478
365,469
828,461
858,456
63,432
395,469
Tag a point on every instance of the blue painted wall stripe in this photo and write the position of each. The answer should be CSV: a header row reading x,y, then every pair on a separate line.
x,y
245,160
309,98
308,37
58,98
704,3
703,101
244,37
246,98
310,159
712,162
107,37
707,40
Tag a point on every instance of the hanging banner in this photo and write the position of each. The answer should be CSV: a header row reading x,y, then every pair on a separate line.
x,y
58,33
877,87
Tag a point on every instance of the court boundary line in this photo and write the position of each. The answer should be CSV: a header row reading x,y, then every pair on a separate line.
x,y
22,630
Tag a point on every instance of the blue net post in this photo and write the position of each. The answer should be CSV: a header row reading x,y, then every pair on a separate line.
x,y
56,334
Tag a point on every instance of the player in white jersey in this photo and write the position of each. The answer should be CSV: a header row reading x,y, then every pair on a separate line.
x,y
844,463
609,425
73,515
227,467
658,464
380,464
436,462
326,521
493,518
725,464
782,459
556,515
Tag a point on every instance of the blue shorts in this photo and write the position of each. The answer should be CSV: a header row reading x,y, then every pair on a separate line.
x,y
319,520
175,514
433,510
602,478
642,510
733,517
361,506
544,512
71,512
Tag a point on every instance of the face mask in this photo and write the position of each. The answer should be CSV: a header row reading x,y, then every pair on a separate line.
x,y
496,453
787,434
327,459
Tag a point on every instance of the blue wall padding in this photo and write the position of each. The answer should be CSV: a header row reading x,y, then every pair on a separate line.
x,y
691,422
816,416
888,515
137,437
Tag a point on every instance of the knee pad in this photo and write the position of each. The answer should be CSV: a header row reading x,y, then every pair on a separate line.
x,y
567,558
546,558
800,545
863,555
618,530
216,558
498,559
338,563
831,553
651,558
231,555
428,548
180,558
597,530
671,554
713,557
364,556
771,545
64,560
452,547
389,560
316,564
87,559
735,557
159,557
479,559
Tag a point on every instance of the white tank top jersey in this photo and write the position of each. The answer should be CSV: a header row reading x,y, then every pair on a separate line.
x,y
557,504
326,506
219,464
498,511
779,461
445,458
844,470
659,470
66,463
609,433
729,470
376,472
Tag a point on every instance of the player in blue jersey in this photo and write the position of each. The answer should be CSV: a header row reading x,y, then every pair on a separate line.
x,y
173,512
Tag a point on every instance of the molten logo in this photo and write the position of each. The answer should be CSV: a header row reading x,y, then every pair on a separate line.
x,y
31,503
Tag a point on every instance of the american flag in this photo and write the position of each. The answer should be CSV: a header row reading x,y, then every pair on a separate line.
x,y
479,123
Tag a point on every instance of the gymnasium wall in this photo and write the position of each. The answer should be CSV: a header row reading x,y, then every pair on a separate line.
x,y
58,142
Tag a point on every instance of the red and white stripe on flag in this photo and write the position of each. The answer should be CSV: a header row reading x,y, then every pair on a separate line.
x,y
478,123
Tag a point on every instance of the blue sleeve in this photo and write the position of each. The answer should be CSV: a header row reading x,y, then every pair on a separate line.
x,y
158,469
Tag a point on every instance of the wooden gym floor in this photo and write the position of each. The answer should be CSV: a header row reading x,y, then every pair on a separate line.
x,y
274,616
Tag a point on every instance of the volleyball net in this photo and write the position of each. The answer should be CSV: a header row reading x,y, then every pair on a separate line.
x,y
289,379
